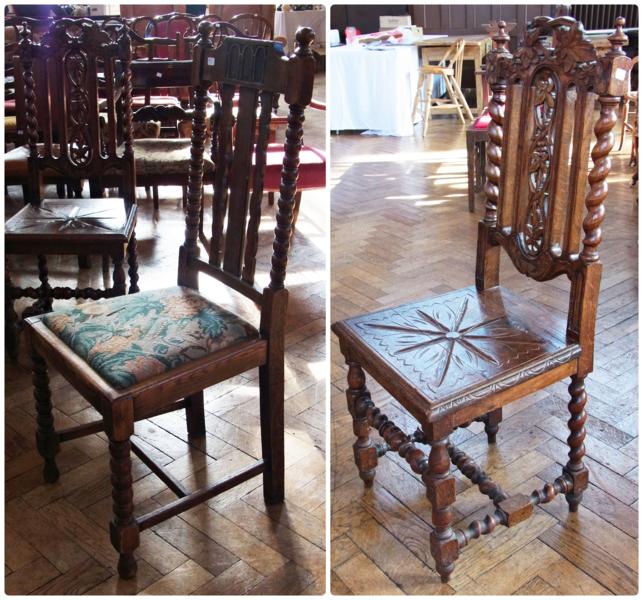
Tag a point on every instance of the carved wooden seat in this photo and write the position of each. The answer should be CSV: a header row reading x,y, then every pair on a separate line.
x,y
460,357
136,357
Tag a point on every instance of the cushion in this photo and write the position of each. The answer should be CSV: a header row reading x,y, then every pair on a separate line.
x,y
15,163
139,101
10,124
165,156
482,122
312,168
9,107
129,339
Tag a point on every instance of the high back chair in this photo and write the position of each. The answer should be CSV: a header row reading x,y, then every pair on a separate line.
x,y
158,350
450,69
460,357
62,74
253,25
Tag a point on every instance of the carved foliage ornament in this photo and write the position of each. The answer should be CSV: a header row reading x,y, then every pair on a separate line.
x,y
540,156
571,52
76,73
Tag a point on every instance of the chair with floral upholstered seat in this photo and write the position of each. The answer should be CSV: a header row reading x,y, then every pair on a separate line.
x,y
157,351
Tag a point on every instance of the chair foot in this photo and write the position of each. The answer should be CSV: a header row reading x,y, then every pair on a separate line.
x,y
574,500
50,472
127,566
492,424
364,449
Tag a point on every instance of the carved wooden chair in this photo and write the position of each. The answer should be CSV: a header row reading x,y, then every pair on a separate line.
x,y
460,357
129,370
69,52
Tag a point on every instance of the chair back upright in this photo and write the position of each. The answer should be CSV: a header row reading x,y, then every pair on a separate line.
x,y
453,59
62,75
255,70
542,110
253,25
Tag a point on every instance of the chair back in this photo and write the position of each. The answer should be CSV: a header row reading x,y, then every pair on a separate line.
x,y
253,26
255,70
453,58
62,75
542,111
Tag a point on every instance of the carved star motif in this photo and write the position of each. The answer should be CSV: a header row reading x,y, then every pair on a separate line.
x,y
73,219
443,342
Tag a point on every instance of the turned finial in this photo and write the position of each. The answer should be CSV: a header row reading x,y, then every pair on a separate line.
x,y
305,37
618,39
205,31
501,37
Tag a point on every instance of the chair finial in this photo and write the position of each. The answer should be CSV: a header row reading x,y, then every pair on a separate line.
x,y
305,37
500,37
618,39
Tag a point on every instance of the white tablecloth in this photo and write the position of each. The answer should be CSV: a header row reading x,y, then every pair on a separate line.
x,y
372,89
286,24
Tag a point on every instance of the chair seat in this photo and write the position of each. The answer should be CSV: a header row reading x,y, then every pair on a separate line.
x,y
312,168
165,156
15,163
435,70
129,339
86,220
458,348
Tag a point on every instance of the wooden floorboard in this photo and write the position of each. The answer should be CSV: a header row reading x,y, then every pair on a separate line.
x,y
57,535
400,231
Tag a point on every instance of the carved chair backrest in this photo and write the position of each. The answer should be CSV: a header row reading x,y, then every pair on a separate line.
x,y
254,26
542,110
62,76
172,26
256,70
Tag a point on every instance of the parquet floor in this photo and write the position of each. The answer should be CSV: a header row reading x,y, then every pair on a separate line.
x,y
400,230
57,539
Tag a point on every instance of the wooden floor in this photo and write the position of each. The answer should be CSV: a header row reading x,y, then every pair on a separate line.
x,y
57,539
400,230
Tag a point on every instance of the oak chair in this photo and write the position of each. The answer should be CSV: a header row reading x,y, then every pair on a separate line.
x,y
450,69
460,357
73,147
157,351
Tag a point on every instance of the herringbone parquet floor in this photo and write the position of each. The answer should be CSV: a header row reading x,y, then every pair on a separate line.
x,y
400,231
57,539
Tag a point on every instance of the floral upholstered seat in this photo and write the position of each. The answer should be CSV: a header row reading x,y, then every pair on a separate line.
x,y
129,339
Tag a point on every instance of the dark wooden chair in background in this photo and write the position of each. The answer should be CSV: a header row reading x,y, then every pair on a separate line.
x,y
460,357
253,26
157,351
73,51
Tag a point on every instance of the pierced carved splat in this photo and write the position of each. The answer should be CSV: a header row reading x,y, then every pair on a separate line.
x,y
541,149
76,74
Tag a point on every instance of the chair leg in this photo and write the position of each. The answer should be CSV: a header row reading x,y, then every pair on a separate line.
x,y
471,174
448,81
155,196
46,437
492,424
440,490
60,190
575,469
124,531
295,210
46,299
271,391
119,283
195,415
10,316
428,99
364,449
417,99
132,261
271,198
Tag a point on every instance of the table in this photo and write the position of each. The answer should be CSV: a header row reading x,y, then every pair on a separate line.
x,y
372,89
286,24
475,48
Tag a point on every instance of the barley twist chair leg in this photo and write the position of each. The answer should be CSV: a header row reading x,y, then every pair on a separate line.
x,y
440,490
575,469
124,531
46,437
364,448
